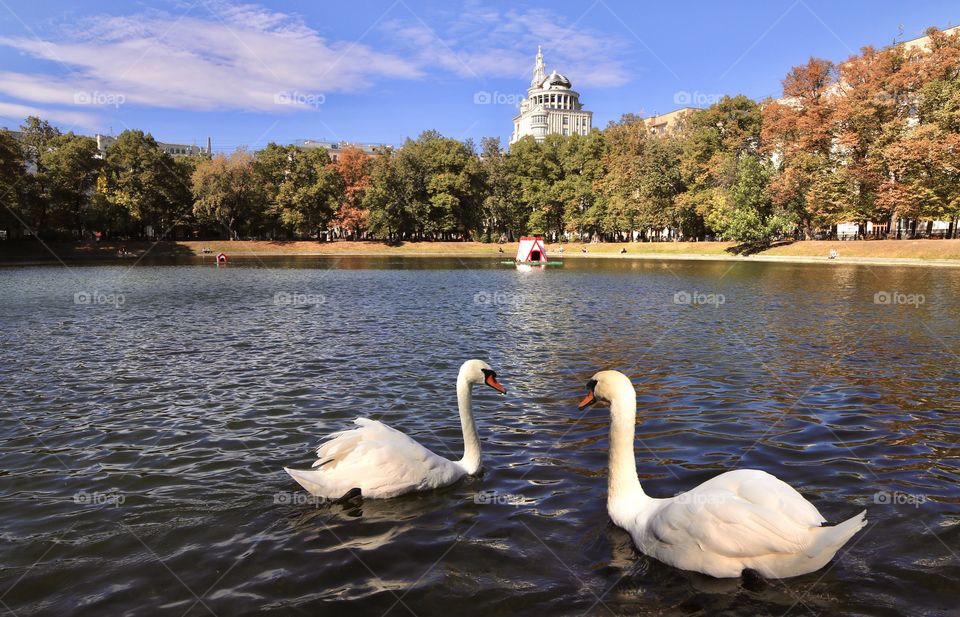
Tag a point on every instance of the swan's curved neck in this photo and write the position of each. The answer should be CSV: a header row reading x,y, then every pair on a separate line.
x,y
623,482
471,442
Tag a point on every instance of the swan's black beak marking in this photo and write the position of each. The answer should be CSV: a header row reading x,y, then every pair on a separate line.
x,y
491,380
590,398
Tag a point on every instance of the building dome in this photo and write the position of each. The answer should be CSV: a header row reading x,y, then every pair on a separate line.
x,y
555,80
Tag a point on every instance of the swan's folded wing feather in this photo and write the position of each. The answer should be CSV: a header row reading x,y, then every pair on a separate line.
x,y
340,445
739,517
380,458
762,489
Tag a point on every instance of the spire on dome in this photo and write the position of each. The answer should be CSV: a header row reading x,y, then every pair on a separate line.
x,y
539,70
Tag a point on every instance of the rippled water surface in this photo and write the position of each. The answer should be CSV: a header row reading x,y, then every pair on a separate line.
x,y
144,432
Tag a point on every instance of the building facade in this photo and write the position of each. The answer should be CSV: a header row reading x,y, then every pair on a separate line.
x,y
105,141
551,107
334,149
663,124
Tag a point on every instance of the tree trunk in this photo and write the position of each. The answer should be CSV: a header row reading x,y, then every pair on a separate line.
x,y
893,231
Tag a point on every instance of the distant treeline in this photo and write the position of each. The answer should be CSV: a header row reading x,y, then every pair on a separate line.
x,y
873,139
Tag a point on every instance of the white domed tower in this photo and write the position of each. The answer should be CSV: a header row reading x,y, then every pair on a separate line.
x,y
551,106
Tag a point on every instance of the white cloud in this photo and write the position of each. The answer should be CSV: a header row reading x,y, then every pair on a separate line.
x,y
249,58
72,119
234,57
484,42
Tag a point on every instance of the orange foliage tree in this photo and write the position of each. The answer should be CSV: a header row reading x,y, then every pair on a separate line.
x,y
798,134
353,165
872,139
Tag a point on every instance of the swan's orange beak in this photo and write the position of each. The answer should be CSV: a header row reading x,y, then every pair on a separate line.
x,y
491,381
588,400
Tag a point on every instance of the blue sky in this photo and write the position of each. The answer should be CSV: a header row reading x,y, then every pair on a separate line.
x,y
382,70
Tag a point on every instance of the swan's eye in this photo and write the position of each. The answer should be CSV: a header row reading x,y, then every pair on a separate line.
x,y
488,373
591,384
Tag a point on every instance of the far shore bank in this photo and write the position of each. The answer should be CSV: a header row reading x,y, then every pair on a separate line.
x,y
867,252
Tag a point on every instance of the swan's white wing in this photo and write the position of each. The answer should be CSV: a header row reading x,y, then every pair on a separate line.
x,y
739,514
379,460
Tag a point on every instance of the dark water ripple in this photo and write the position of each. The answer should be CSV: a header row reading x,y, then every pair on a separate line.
x,y
143,446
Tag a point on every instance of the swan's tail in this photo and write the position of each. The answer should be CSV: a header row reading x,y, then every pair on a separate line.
x,y
311,480
830,539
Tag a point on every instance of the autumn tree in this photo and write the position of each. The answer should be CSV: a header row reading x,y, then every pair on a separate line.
x,y
871,109
923,160
353,165
798,134
625,142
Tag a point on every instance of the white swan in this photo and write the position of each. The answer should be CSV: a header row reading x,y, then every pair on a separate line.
x,y
744,519
380,462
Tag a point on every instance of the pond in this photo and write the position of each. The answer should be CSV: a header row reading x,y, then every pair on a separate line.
x,y
148,411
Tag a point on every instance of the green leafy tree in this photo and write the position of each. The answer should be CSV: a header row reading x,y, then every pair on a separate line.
x,y
660,184
12,172
752,217
310,193
270,168
581,158
711,144
147,184
36,138
447,183
627,142
389,196
537,168
71,167
224,192
502,212
431,188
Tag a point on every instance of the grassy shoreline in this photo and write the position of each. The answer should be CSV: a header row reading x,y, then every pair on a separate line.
x,y
873,252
